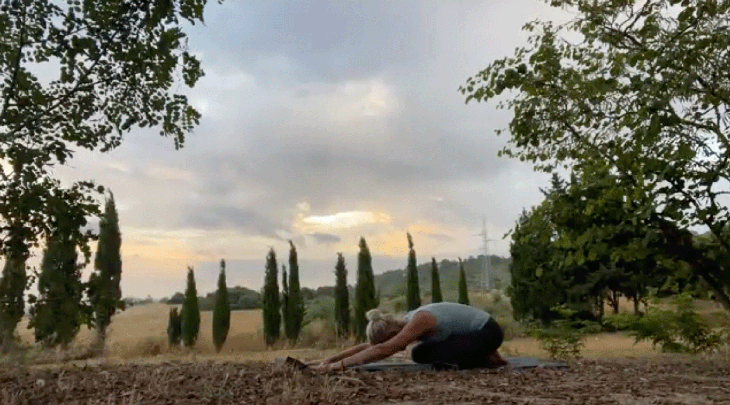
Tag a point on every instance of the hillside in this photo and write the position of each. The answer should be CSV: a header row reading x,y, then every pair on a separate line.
x,y
393,283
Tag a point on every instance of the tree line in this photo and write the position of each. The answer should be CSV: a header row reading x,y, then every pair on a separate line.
x,y
287,306
65,302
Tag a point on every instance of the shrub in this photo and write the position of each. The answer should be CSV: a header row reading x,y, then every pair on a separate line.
x,y
563,338
319,334
675,331
174,329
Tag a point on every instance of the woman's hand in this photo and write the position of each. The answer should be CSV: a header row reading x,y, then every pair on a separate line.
x,y
329,367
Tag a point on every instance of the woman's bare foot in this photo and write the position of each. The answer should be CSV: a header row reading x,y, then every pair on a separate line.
x,y
495,360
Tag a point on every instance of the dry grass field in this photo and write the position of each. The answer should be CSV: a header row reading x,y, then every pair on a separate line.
x,y
138,335
142,331
139,368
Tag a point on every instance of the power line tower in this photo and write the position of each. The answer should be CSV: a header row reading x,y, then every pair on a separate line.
x,y
487,279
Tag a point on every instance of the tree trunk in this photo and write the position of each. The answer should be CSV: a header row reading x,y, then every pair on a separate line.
x,y
600,307
637,312
99,341
613,298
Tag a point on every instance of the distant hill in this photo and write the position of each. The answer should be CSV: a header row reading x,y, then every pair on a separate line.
x,y
390,284
239,297
393,283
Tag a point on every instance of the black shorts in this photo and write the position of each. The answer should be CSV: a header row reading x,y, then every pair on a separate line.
x,y
464,350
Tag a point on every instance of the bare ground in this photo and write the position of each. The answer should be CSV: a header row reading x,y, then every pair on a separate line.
x,y
614,381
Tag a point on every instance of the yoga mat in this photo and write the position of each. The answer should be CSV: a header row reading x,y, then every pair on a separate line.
x,y
515,364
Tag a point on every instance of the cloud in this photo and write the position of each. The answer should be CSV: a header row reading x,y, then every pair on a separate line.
x,y
325,238
320,120
345,219
213,216
440,237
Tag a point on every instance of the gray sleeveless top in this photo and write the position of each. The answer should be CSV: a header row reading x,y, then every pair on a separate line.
x,y
452,318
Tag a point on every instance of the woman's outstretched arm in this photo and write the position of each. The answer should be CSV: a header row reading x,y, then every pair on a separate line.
x,y
342,355
422,323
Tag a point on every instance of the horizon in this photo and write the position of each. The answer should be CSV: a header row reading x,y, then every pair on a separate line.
x,y
212,269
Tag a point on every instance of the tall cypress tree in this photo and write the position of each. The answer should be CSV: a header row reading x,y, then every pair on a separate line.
x,y
174,329
286,315
342,298
435,282
221,311
413,294
271,302
12,304
296,300
57,313
364,290
105,293
190,323
463,293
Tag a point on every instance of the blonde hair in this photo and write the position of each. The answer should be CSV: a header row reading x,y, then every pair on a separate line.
x,y
381,326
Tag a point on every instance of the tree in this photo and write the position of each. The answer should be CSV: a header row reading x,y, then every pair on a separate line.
x,y
296,301
342,298
12,304
65,213
645,91
285,304
116,70
105,293
413,295
221,311
190,321
174,328
435,282
57,312
463,293
365,299
271,302
603,245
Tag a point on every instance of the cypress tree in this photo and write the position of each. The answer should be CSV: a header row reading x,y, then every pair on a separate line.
x,y
296,301
463,293
12,304
435,282
365,289
342,298
174,330
105,293
271,305
221,311
190,323
56,315
286,315
413,294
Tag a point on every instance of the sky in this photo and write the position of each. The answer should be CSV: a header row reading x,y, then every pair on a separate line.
x,y
323,121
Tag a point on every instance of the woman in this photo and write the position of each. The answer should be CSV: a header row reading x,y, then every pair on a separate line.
x,y
447,334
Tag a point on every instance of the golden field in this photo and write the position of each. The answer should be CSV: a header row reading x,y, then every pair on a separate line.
x,y
139,335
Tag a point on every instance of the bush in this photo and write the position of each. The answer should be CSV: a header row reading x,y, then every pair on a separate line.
x,y
319,334
618,322
564,338
174,328
322,307
675,331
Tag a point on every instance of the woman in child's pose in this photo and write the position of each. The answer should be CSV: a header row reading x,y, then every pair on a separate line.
x,y
447,334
